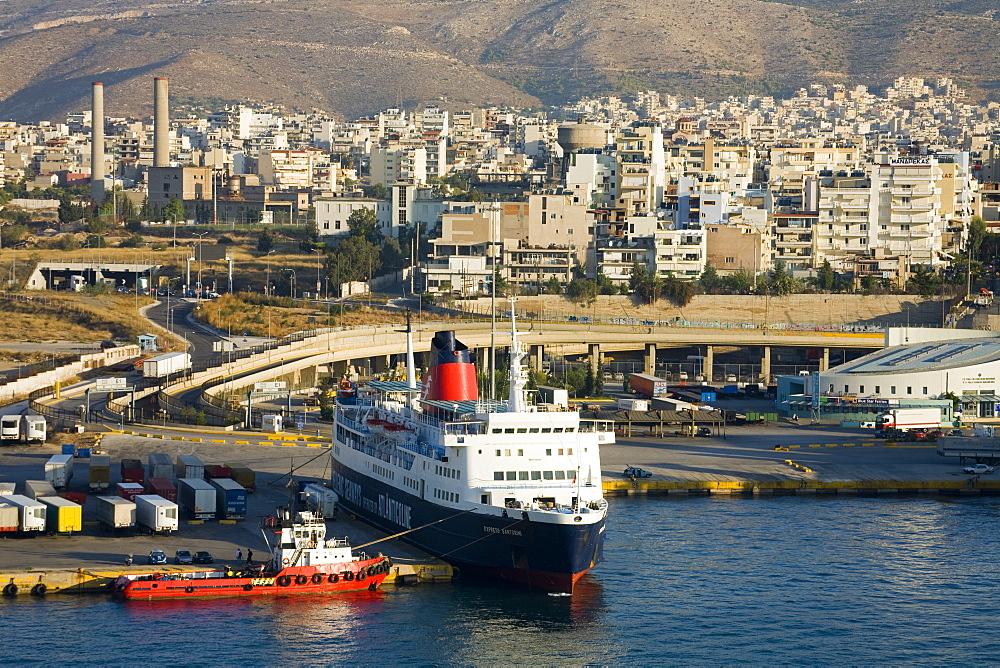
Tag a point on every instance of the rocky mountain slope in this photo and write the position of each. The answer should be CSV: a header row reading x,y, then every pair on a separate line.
x,y
355,57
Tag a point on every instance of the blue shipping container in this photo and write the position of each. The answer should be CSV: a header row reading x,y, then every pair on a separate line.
x,y
231,499
708,396
68,448
83,453
731,389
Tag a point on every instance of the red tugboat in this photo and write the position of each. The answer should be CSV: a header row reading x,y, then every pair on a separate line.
x,y
303,562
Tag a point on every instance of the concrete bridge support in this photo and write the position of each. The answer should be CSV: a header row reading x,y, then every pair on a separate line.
x,y
595,358
536,353
765,365
650,359
707,362
824,362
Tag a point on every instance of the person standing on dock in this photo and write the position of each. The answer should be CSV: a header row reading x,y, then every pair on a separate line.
x,y
239,554
249,555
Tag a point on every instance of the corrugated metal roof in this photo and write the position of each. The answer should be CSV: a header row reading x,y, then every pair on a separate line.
x,y
926,357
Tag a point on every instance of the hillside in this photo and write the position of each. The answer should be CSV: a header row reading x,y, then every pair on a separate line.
x,y
356,57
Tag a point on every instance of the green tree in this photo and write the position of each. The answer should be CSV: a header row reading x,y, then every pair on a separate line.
x,y
68,242
355,260
923,282
582,290
12,234
364,223
646,285
678,292
825,277
709,281
869,284
740,282
174,211
265,242
553,286
605,285
976,235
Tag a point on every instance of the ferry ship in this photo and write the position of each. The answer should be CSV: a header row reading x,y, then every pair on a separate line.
x,y
495,488
304,561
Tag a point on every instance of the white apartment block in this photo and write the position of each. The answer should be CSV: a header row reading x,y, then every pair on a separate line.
x,y
591,177
640,168
398,162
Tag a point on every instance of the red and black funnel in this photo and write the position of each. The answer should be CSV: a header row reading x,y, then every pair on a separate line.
x,y
452,372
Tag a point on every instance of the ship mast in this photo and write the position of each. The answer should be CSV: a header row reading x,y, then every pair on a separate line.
x,y
411,367
517,400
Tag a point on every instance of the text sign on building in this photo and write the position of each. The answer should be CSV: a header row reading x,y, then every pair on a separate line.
x,y
275,386
111,384
910,161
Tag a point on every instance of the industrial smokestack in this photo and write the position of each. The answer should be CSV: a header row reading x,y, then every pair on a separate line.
x,y
161,123
97,142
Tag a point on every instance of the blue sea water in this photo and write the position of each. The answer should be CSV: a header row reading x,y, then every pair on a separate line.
x,y
691,581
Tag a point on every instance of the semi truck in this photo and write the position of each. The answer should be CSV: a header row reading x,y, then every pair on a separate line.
x,y
99,472
166,364
159,465
197,498
633,404
31,513
115,512
647,385
9,520
59,470
231,499
903,419
132,471
62,515
189,466
155,514
162,487
245,476
36,488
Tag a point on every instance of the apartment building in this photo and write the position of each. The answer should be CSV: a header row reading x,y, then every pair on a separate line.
x,y
641,177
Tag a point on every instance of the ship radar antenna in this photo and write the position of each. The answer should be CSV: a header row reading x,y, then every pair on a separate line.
x,y
411,367
517,401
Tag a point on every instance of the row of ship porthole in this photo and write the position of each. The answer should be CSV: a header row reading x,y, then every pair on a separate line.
x,y
534,475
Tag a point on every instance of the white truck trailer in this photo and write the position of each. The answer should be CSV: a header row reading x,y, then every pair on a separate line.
x,y
31,513
321,499
189,466
115,512
909,418
155,513
166,364
59,470
35,489
197,497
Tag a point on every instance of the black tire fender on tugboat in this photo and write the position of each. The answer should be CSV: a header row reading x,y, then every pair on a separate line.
x,y
284,581
317,578
248,587
301,579
10,589
348,576
189,589
39,589
361,575
333,578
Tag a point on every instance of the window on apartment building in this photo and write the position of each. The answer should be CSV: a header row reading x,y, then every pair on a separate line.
x,y
326,226
576,200
863,241
709,202
569,231
830,227
337,225
905,228
864,227
830,212
884,227
730,260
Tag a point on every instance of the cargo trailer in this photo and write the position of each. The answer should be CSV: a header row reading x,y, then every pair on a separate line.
x,y
159,465
245,476
129,490
32,429
166,364
647,385
6,488
189,466
100,472
162,487
36,488
59,470
197,498
216,471
31,513
231,499
115,512
10,427
9,517
155,514
132,471
62,515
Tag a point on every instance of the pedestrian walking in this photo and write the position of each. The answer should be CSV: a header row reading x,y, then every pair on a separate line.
x,y
239,554
249,555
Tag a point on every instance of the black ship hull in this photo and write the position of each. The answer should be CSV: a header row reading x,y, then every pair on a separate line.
x,y
539,555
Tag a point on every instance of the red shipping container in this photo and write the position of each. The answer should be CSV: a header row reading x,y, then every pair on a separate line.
x,y
218,472
129,490
162,487
133,471
79,498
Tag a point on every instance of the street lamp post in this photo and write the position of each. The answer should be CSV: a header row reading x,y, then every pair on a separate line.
x,y
267,282
201,236
319,285
291,281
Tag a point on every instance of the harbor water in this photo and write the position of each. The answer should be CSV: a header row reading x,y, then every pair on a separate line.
x,y
704,580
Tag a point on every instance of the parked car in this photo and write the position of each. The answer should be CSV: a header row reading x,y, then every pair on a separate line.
x,y
703,431
203,558
183,557
157,557
634,472
978,469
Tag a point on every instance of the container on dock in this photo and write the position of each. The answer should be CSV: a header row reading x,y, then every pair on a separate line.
x,y
9,517
36,488
31,513
83,452
162,487
159,465
6,488
231,499
245,476
76,497
115,512
68,449
100,472
197,498
189,466
62,515
218,471
155,513
129,490
132,471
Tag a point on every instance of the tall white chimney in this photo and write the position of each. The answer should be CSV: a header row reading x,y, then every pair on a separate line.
x,y
97,166
161,123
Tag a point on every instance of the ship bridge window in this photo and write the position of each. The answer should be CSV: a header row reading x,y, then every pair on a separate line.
x,y
533,430
508,430
511,475
546,430
496,430
520,452
548,452
557,430
498,475
522,475
570,429
536,475
522,430
560,475
571,475
498,453
547,475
